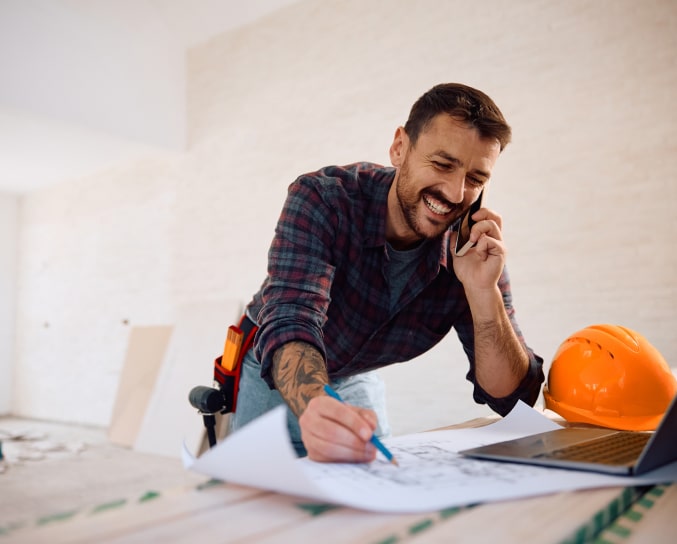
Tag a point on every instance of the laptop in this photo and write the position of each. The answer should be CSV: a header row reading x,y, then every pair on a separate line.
x,y
593,449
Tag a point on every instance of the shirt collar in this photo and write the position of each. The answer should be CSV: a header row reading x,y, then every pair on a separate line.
x,y
375,219
375,231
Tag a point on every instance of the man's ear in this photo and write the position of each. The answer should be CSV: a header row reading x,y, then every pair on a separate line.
x,y
398,147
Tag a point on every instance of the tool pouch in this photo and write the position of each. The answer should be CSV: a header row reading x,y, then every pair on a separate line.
x,y
229,380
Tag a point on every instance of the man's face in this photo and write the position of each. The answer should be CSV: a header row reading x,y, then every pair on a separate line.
x,y
437,179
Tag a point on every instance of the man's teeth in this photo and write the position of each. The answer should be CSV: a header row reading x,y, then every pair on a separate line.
x,y
436,207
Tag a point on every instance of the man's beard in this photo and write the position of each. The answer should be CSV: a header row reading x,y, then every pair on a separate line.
x,y
409,201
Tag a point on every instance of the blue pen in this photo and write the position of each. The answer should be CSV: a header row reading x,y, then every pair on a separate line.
x,y
374,439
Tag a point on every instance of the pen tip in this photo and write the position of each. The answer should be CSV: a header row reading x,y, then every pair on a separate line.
x,y
394,462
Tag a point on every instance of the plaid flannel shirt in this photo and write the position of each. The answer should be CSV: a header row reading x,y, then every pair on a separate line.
x,y
326,285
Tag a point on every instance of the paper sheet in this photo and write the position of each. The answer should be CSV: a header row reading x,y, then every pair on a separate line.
x,y
431,474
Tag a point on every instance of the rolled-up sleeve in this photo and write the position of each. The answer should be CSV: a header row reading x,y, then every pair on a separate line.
x,y
300,274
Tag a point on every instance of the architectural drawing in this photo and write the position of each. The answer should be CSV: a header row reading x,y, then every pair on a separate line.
x,y
425,466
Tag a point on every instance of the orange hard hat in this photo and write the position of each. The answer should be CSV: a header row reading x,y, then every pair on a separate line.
x,y
610,376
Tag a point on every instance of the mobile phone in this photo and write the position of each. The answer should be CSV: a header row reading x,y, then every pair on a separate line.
x,y
463,243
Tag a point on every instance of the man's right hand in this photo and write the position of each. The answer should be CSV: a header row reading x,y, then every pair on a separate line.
x,y
331,430
336,432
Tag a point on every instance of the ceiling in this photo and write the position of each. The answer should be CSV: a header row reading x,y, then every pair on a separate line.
x,y
87,84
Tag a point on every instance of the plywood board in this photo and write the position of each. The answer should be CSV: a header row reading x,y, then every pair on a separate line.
x,y
145,352
198,337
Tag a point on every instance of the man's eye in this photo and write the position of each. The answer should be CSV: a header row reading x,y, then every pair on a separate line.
x,y
476,181
442,165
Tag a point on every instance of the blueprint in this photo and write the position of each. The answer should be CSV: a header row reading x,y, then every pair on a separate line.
x,y
431,475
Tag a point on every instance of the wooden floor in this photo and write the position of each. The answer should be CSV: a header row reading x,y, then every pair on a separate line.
x,y
54,470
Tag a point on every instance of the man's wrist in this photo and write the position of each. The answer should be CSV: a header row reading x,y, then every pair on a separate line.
x,y
486,305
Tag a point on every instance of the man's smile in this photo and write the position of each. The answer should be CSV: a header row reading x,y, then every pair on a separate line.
x,y
436,206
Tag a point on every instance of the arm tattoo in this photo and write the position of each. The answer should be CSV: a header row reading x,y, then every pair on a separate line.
x,y
299,372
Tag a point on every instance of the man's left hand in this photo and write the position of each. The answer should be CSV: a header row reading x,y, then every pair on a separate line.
x,y
482,265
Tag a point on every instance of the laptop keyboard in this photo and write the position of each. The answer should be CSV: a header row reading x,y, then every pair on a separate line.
x,y
615,449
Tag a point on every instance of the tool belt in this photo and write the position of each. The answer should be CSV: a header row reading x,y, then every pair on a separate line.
x,y
229,379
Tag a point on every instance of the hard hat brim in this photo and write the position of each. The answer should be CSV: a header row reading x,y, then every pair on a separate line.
x,y
619,422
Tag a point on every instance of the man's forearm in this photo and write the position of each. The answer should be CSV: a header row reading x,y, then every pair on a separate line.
x,y
299,372
501,362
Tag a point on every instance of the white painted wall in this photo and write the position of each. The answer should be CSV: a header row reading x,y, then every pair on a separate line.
x,y
586,189
8,258
109,56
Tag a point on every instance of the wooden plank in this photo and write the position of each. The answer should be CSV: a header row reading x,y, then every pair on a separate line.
x,y
548,518
100,524
338,525
231,513
650,519
241,521
226,512
145,352
198,338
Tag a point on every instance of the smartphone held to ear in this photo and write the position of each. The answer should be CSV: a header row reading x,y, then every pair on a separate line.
x,y
463,243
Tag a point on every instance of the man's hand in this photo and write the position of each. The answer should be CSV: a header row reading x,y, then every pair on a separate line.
x,y
331,431
482,265
336,432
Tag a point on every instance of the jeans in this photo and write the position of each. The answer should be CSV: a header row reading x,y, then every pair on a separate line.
x,y
255,398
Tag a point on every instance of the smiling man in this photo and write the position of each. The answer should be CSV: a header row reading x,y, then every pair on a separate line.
x,y
361,275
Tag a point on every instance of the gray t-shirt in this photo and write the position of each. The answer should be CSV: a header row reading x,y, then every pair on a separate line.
x,y
401,265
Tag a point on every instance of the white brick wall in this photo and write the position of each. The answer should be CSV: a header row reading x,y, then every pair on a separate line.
x,y
95,258
9,205
586,189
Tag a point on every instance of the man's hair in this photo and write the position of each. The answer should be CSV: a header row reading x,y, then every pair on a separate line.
x,y
464,103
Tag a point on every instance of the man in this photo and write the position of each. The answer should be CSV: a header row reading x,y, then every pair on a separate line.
x,y
361,275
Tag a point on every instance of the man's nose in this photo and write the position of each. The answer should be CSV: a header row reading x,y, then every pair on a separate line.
x,y
455,187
